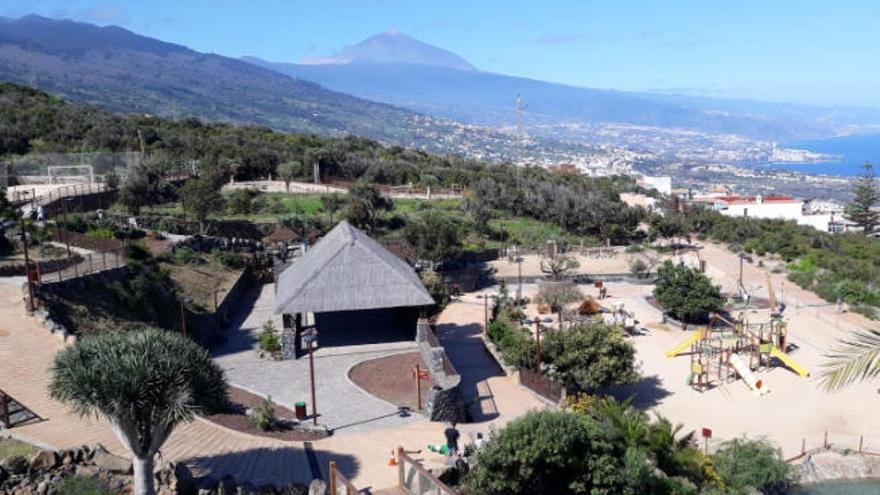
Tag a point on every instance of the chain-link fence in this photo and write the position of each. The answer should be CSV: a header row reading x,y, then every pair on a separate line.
x,y
67,168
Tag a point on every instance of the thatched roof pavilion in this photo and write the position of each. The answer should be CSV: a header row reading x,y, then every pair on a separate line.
x,y
347,271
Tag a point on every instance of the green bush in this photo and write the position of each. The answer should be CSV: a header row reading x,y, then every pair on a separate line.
x,y
746,463
589,356
234,261
516,345
548,452
100,233
83,485
268,340
686,293
263,416
241,201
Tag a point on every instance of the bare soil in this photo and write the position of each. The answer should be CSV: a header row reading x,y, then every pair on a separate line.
x,y
390,378
236,419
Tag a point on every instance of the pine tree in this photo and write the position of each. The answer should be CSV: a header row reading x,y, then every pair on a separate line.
x,y
865,197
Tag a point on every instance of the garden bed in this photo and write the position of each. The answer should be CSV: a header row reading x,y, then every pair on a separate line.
x,y
390,378
237,420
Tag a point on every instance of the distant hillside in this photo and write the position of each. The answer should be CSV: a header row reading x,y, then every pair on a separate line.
x,y
482,98
120,70
393,47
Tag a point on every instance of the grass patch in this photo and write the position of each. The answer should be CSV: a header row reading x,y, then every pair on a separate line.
x,y
12,448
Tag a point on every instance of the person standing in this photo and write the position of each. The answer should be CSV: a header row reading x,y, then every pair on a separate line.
x,y
452,435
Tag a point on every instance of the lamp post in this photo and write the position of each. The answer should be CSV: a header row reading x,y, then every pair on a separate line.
x,y
66,231
183,302
519,262
537,322
485,298
310,336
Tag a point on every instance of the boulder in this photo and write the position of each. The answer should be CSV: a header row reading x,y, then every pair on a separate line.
x,y
45,460
3,475
109,462
318,487
43,487
16,465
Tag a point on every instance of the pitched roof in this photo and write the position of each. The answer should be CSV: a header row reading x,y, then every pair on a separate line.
x,y
345,271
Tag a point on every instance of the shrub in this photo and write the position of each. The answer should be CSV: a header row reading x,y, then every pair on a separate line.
x,y
685,292
516,344
589,356
234,261
269,341
263,416
240,201
83,485
753,463
547,452
100,233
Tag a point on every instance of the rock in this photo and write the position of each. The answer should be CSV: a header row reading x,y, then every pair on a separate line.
x,y
453,471
16,465
86,471
45,460
109,462
267,490
182,480
226,486
43,487
68,457
317,487
3,475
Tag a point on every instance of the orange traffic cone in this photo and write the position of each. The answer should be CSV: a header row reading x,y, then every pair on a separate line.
x,y
393,460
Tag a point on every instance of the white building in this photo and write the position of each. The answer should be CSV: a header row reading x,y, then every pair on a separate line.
x,y
661,184
780,207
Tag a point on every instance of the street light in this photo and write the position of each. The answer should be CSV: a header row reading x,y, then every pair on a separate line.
x,y
183,302
537,322
310,336
485,298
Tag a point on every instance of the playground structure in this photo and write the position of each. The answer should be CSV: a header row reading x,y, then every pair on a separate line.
x,y
726,350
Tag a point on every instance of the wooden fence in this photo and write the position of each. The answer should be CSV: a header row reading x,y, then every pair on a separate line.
x,y
413,478
541,385
339,484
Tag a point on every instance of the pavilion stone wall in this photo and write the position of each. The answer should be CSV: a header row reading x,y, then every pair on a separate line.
x,y
445,400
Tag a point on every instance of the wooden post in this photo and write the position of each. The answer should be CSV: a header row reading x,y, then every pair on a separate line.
x,y
401,472
825,444
333,478
803,446
91,266
418,389
861,443
312,379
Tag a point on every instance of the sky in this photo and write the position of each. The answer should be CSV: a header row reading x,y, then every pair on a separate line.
x,y
806,51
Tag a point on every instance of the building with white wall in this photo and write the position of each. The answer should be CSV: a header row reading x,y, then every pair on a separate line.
x,y
662,184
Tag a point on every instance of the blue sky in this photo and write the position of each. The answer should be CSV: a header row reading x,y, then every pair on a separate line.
x,y
820,52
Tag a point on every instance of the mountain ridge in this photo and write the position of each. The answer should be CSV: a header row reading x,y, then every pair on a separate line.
x,y
393,46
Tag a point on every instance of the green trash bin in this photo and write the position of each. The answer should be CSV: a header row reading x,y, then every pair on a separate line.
x,y
299,409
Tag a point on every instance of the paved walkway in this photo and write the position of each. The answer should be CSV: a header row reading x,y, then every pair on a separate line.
x,y
342,406
27,350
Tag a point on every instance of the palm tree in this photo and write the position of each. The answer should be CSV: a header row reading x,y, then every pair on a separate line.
x,y
857,359
144,382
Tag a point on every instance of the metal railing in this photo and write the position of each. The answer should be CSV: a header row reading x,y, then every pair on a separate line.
x,y
13,413
414,479
90,264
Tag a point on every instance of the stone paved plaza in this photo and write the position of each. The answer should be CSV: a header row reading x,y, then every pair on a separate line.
x,y
342,406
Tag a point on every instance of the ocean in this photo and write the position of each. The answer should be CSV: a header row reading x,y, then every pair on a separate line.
x,y
853,151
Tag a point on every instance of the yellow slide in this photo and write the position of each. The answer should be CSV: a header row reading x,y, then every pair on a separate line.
x,y
775,352
697,335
